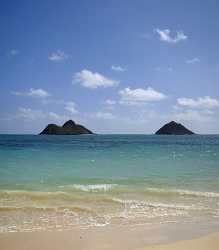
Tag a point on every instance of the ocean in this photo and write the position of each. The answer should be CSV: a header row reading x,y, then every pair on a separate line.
x,y
62,182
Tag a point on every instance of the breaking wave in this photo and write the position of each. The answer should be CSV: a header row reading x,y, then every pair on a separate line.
x,y
94,187
183,192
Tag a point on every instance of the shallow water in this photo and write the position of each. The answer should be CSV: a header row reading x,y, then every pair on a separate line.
x,y
58,182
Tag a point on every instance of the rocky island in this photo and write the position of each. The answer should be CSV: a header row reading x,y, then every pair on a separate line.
x,y
173,128
68,128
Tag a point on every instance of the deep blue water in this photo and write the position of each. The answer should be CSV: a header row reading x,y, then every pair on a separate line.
x,y
27,161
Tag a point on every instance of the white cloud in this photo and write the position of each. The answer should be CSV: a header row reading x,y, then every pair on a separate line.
x,y
55,116
165,36
34,114
71,107
164,69
93,80
118,68
193,60
33,93
103,115
141,116
201,103
14,52
193,115
58,56
29,114
38,93
140,96
110,102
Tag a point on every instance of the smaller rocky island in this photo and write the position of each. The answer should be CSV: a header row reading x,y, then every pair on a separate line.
x,y
174,128
68,128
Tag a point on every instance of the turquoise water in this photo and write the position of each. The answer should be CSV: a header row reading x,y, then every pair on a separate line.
x,y
95,180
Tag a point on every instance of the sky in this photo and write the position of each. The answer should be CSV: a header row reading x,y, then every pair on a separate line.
x,y
115,66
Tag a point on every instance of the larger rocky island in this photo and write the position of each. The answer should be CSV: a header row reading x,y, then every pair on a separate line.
x,y
173,128
68,128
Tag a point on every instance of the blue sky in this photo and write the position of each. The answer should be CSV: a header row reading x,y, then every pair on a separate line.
x,y
114,66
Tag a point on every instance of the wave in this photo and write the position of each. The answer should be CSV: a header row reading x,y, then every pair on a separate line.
x,y
138,189
94,187
36,195
100,192
76,209
58,196
87,215
131,204
183,192
142,204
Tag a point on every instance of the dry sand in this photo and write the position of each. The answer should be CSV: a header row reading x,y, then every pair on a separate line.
x,y
78,240
209,242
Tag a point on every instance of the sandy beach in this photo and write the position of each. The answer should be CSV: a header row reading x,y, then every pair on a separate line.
x,y
74,240
209,242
